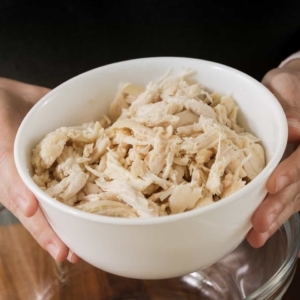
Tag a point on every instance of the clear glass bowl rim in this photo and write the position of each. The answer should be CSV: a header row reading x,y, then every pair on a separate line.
x,y
275,282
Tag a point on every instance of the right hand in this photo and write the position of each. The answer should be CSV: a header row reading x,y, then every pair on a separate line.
x,y
283,199
16,99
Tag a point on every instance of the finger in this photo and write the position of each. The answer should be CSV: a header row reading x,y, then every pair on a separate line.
x,y
257,239
39,228
15,195
72,257
270,211
287,173
284,84
22,203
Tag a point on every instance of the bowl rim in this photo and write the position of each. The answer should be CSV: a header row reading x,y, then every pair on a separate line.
x,y
45,198
275,282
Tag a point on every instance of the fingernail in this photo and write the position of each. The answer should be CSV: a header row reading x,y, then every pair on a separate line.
x,y
22,204
272,218
53,250
281,182
70,256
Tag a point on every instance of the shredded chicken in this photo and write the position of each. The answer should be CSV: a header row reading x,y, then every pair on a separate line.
x,y
164,149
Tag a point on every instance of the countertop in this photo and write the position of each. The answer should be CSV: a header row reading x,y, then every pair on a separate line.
x,y
27,272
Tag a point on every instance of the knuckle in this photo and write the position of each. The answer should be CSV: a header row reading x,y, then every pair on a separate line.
x,y
291,170
282,78
285,83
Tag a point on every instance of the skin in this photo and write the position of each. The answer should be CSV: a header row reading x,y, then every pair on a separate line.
x,y
16,99
283,185
283,200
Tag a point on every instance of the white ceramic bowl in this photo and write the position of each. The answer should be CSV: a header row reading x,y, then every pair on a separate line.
x,y
166,246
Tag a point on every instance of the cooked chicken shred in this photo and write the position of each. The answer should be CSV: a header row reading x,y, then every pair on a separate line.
x,y
164,149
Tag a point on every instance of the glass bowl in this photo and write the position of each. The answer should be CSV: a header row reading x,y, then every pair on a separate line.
x,y
246,273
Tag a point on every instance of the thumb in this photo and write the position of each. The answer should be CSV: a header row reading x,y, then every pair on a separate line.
x,y
284,83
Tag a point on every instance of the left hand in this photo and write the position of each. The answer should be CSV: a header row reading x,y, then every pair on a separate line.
x,y
283,199
16,99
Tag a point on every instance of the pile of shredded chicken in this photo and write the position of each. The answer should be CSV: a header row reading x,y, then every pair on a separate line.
x,y
166,148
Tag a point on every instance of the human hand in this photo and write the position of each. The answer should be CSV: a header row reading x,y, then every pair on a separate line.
x,y
283,199
16,99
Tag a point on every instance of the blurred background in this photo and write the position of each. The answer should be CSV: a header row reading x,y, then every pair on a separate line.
x,y
46,43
